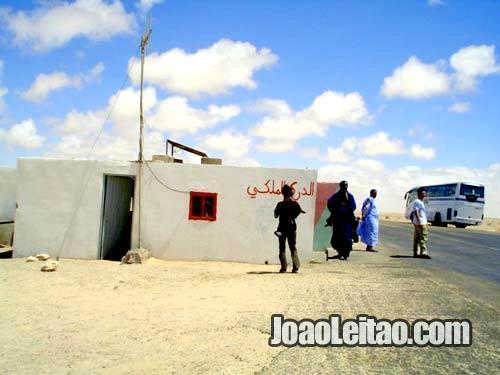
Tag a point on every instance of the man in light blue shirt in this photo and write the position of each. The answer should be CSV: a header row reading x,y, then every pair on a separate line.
x,y
419,220
368,226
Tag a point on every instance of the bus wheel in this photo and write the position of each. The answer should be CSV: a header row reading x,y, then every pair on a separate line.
x,y
459,225
437,221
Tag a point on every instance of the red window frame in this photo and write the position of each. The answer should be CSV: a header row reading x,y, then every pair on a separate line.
x,y
203,196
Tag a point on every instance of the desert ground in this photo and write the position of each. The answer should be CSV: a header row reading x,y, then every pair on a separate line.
x,y
100,317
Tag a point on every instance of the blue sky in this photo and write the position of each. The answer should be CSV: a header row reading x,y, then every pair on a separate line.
x,y
378,91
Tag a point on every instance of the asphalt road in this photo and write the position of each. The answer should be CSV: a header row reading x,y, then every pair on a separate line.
x,y
472,253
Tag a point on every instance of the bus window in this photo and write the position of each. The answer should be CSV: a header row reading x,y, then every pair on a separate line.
x,y
411,196
431,191
477,191
450,190
441,191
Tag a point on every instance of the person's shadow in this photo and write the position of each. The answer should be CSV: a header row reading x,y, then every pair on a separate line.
x,y
402,256
261,272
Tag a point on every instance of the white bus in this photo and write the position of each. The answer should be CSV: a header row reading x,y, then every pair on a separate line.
x,y
458,203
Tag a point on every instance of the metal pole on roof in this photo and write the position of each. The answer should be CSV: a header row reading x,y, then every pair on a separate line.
x,y
144,43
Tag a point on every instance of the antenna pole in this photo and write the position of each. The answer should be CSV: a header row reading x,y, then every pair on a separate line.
x,y
144,42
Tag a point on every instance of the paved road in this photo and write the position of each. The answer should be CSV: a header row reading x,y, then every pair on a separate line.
x,y
472,253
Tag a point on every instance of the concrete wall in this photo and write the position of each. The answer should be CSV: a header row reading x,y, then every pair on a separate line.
x,y
322,234
244,227
48,192
8,180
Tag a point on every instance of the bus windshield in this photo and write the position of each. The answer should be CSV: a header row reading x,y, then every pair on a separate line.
x,y
477,191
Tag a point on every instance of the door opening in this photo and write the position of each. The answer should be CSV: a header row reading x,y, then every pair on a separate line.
x,y
116,225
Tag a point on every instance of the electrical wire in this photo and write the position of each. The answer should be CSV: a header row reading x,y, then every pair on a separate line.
x,y
110,111
86,177
162,183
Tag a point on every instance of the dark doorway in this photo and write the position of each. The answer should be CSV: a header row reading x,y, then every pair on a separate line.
x,y
116,226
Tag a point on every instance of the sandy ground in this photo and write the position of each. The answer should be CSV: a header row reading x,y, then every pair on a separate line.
x,y
93,317
489,224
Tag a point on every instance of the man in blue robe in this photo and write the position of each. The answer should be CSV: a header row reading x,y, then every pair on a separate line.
x,y
342,206
368,227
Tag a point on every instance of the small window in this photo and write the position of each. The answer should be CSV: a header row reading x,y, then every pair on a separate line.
x,y
202,206
441,191
451,190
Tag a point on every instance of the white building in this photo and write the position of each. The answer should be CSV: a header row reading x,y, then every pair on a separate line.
x,y
90,209
7,203
7,193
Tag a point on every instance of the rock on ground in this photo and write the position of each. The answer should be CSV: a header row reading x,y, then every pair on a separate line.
x,y
50,266
136,256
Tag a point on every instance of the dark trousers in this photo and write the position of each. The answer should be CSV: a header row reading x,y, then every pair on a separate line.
x,y
291,238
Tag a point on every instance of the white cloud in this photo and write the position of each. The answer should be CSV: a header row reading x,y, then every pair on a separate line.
x,y
109,146
380,144
273,146
213,70
430,136
337,155
372,165
175,115
473,62
419,152
45,84
94,73
435,2
393,183
373,145
420,130
282,128
310,153
416,80
461,107
377,144
54,24
146,5
23,134
343,153
416,130
78,130
234,146
274,107
3,90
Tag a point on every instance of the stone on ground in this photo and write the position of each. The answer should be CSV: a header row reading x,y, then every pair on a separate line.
x,y
136,256
50,266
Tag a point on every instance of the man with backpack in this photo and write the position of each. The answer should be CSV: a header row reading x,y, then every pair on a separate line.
x,y
287,211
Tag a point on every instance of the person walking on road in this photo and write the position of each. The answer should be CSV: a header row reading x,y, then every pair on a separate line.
x,y
342,206
419,220
287,211
368,227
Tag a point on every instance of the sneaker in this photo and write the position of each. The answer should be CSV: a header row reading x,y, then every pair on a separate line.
x,y
295,270
425,256
282,271
342,258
